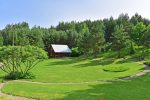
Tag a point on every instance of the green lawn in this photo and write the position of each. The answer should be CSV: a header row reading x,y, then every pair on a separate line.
x,y
135,89
2,74
4,98
74,70
81,70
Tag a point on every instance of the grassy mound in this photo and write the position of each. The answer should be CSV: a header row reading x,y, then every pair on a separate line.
x,y
116,68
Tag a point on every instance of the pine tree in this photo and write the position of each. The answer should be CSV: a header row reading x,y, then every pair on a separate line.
x,y
120,39
97,39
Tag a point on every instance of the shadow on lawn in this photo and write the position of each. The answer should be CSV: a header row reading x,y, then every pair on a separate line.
x,y
97,92
96,63
114,91
94,93
90,61
62,62
67,61
128,60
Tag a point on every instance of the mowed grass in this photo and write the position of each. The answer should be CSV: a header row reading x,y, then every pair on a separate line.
x,y
43,91
80,70
135,89
4,98
2,74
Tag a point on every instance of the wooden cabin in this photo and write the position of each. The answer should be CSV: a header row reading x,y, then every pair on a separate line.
x,y
56,50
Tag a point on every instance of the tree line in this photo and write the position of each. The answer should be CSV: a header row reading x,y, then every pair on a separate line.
x,y
91,37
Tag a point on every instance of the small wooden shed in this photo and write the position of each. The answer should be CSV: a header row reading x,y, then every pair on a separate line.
x,y
56,50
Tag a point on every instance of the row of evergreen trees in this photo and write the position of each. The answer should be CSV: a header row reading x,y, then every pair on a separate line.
x,y
91,37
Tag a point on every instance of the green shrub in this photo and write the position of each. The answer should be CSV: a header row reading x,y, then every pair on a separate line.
x,y
132,50
75,52
19,75
17,61
116,69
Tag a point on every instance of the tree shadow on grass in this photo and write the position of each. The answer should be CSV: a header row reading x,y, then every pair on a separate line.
x,y
128,60
96,63
96,92
135,89
62,62
90,61
66,61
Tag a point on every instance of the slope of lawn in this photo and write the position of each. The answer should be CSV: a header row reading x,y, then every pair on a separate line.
x,y
81,70
135,89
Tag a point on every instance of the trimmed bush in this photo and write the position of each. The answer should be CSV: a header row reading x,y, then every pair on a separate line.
x,y
116,69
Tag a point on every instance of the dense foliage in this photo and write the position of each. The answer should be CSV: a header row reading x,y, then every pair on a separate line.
x,y
75,52
92,37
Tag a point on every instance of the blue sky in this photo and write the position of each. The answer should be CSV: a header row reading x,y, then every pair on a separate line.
x,y
49,12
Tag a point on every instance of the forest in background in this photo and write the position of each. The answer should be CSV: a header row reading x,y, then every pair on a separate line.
x,y
89,37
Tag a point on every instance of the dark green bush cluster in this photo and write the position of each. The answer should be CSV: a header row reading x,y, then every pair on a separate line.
x,y
116,69
147,63
75,52
19,75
